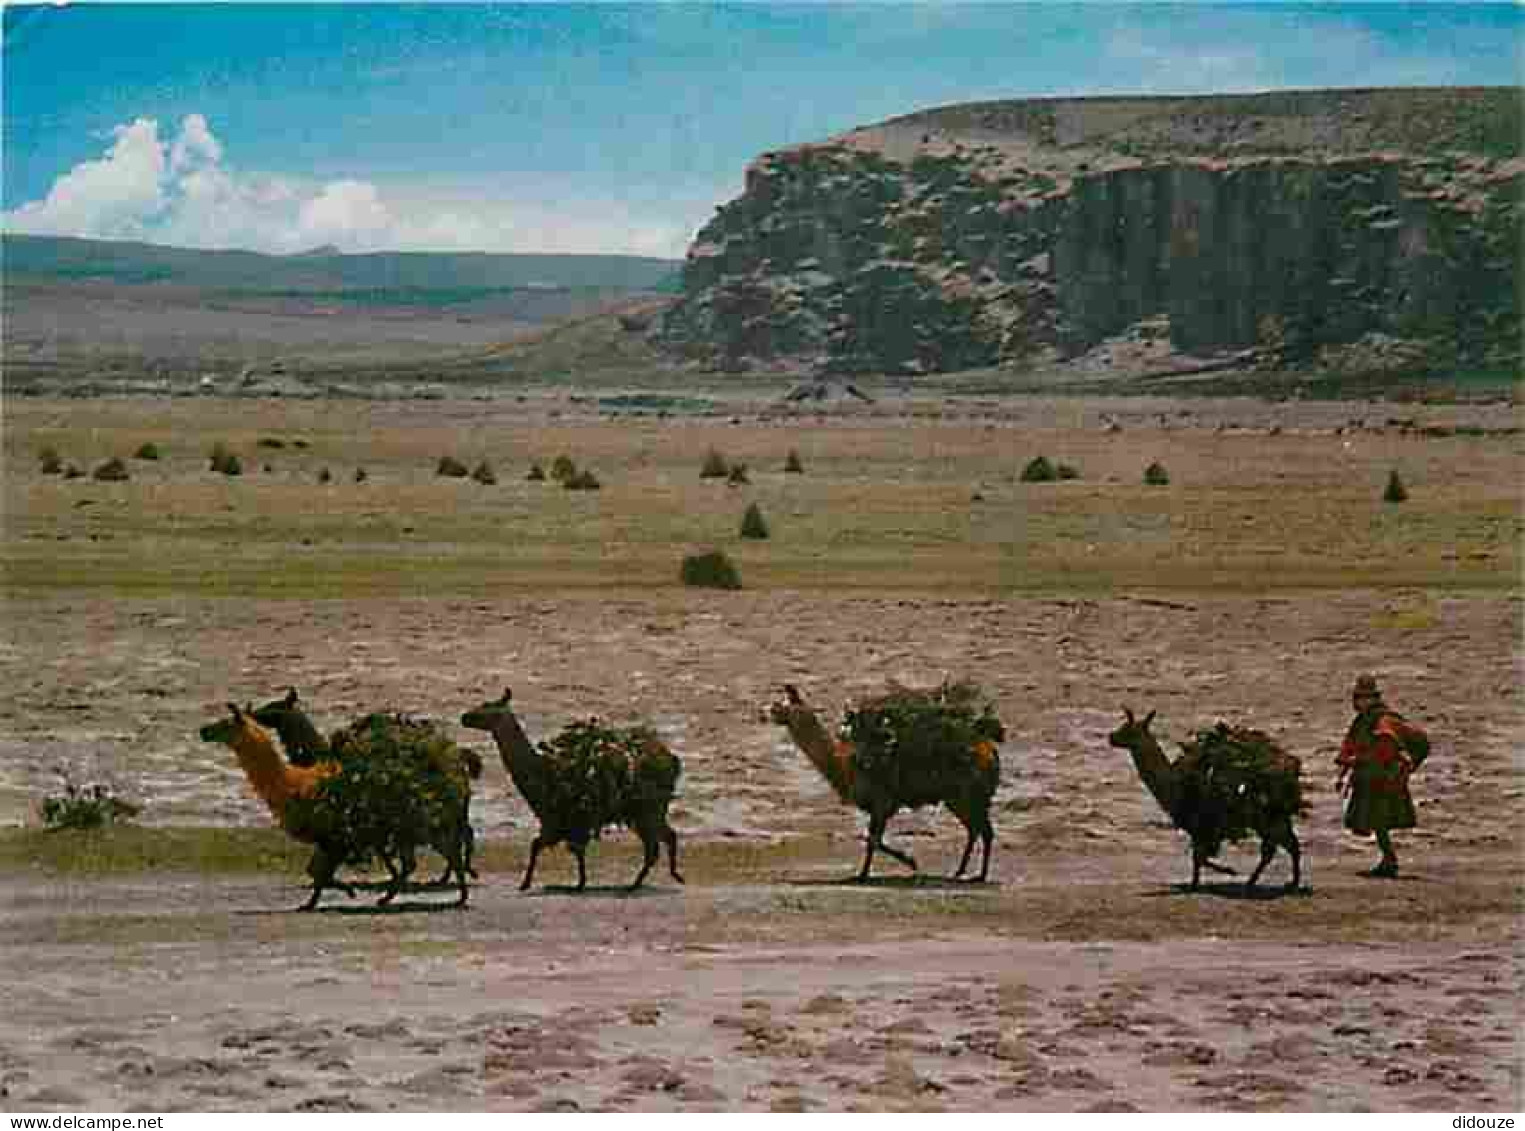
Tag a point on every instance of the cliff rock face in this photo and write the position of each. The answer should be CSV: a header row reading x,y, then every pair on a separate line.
x,y
1012,233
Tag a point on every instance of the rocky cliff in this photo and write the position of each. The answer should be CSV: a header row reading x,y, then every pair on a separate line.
x,y
1296,227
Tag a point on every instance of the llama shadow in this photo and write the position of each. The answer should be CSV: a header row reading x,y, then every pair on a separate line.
x,y
611,891
917,882
1235,889
412,907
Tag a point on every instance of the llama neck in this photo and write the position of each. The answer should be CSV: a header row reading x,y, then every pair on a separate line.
x,y
1155,768
273,780
832,761
520,757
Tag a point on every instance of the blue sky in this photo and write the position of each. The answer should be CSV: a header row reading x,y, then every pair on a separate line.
x,y
589,128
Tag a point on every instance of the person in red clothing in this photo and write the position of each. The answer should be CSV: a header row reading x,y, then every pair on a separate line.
x,y
1379,753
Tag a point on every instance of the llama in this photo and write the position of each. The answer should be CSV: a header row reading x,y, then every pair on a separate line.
x,y
647,780
305,745
880,790
339,832
1265,799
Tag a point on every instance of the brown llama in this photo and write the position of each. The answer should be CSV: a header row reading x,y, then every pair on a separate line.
x,y
649,779
880,791
1211,803
301,806
305,745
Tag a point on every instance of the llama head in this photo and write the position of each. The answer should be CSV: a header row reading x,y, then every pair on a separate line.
x,y
791,708
240,721
487,716
1132,732
272,712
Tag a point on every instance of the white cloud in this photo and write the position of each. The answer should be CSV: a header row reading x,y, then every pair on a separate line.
x,y
181,191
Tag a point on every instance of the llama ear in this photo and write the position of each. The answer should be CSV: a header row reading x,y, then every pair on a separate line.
x,y
794,694
1149,718
508,693
236,711
1128,714
291,697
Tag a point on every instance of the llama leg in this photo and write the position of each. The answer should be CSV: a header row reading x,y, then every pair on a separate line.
x,y
580,850
397,874
876,825
1196,866
321,868
671,837
1294,850
1267,852
456,860
651,848
529,873
987,836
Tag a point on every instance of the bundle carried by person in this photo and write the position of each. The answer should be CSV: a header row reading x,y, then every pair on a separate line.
x,y
1230,776
923,741
397,781
599,771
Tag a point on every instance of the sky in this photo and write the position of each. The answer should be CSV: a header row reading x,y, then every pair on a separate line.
x,y
589,128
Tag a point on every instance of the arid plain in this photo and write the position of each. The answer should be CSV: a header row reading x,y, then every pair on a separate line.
x,y
161,968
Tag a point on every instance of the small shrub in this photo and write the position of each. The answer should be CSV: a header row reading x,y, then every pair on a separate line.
x,y
51,462
792,464
562,469
73,472
325,476
360,475
1067,471
149,450
269,442
537,473
483,473
224,460
112,471
1155,475
583,480
451,467
753,525
711,570
737,475
1039,470
1396,492
715,466
85,807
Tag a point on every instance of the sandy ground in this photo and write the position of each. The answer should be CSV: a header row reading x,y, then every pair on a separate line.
x,y
1083,978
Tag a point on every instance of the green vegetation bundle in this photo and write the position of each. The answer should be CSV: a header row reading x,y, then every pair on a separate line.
x,y
149,450
325,476
112,471
715,466
1039,470
536,474
450,467
400,782
792,463
483,473
1067,471
269,442
360,475
562,469
85,807
752,523
711,570
592,776
583,480
1230,774
923,739
1155,475
737,476
50,462
1396,492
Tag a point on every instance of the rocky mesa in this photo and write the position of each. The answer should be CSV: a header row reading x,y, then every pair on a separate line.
x,y
1349,228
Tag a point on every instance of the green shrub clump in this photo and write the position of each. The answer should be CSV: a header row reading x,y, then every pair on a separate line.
x,y
1396,492
1039,470
85,807
737,476
1155,475
583,480
51,462
224,460
536,474
753,525
710,570
484,474
450,467
792,463
149,450
562,468
112,471
715,466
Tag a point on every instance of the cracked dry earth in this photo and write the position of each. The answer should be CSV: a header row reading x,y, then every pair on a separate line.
x,y
1083,978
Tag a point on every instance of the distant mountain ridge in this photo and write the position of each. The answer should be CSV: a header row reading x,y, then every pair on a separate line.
x,y
324,268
